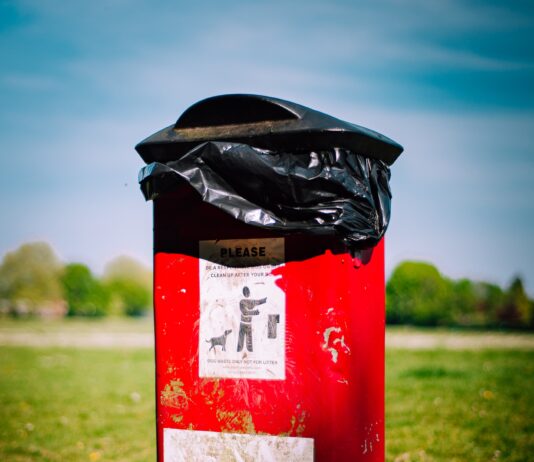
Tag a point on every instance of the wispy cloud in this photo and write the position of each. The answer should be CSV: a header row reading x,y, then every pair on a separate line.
x,y
29,82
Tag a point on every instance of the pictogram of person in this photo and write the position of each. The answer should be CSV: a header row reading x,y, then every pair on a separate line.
x,y
247,311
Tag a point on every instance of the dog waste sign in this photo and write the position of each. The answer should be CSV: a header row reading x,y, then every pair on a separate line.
x,y
242,310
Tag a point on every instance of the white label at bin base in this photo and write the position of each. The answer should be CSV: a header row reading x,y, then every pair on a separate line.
x,y
242,310
190,445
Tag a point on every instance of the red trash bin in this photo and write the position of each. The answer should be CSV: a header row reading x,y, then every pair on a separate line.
x,y
269,344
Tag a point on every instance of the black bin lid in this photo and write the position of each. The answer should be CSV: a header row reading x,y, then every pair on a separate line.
x,y
266,123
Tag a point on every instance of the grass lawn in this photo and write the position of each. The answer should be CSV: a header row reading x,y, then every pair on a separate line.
x,y
460,405
66,404
77,325
76,405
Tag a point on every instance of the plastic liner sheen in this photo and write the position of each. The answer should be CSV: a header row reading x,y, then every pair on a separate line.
x,y
334,192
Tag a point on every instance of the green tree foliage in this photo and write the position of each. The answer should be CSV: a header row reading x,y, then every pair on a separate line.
x,y
29,276
85,295
33,280
124,267
132,298
130,284
489,300
516,311
417,293
464,303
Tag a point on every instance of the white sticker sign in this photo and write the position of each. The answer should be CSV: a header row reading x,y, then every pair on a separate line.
x,y
242,310
189,445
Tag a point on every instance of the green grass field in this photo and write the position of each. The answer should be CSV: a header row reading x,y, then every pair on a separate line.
x,y
460,405
67,404
76,405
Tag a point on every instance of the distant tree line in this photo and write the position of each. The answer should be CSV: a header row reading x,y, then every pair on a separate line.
x,y
416,293
33,281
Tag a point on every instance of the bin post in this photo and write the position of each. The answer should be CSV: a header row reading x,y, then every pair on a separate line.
x,y
269,343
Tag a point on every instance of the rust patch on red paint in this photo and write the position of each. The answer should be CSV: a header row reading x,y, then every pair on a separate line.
x,y
236,421
298,423
173,395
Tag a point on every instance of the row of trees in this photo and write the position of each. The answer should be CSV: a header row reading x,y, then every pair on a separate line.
x,y
34,281
418,294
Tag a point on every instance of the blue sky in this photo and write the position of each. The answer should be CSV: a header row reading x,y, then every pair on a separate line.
x,y
82,82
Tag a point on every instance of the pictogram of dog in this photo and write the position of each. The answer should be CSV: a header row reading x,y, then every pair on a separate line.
x,y
219,341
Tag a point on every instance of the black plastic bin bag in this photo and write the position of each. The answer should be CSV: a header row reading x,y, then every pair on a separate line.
x,y
330,191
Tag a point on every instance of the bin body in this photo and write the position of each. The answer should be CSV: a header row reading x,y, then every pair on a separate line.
x,y
295,362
